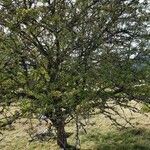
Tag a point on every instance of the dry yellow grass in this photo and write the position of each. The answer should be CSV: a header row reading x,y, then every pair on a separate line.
x,y
17,138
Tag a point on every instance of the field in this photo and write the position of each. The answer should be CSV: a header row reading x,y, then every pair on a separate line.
x,y
101,134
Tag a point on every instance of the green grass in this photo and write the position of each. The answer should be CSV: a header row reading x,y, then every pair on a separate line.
x,y
101,135
129,139
145,108
95,139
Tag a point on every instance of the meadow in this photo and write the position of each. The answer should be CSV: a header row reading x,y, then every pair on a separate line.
x,y
101,134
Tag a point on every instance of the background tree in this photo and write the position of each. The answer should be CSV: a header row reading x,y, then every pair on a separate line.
x,y
65,57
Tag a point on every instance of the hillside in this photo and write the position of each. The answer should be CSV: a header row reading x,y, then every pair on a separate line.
x,y
101,134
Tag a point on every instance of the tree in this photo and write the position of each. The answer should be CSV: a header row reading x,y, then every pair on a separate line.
x,y
66,57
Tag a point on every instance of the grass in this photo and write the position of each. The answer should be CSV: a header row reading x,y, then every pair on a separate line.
x,y
101,135
145,108
129,139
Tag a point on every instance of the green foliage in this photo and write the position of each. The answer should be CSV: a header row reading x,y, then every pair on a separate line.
x,y
65,55
26,107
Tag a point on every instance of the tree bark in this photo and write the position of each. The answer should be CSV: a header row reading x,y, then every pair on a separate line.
x,y
61,135
59,124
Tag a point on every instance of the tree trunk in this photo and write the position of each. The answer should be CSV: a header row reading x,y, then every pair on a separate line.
x,y
61,135
59,124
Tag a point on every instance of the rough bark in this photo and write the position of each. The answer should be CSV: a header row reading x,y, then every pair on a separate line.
x,y
59,124
61,135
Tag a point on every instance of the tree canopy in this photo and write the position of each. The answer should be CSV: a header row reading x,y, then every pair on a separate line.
x,y
64,57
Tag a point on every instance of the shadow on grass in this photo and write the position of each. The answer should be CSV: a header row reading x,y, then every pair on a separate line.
x,y
128,139
46,136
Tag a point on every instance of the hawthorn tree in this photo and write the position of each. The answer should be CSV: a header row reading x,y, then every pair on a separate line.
x,y
67,57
